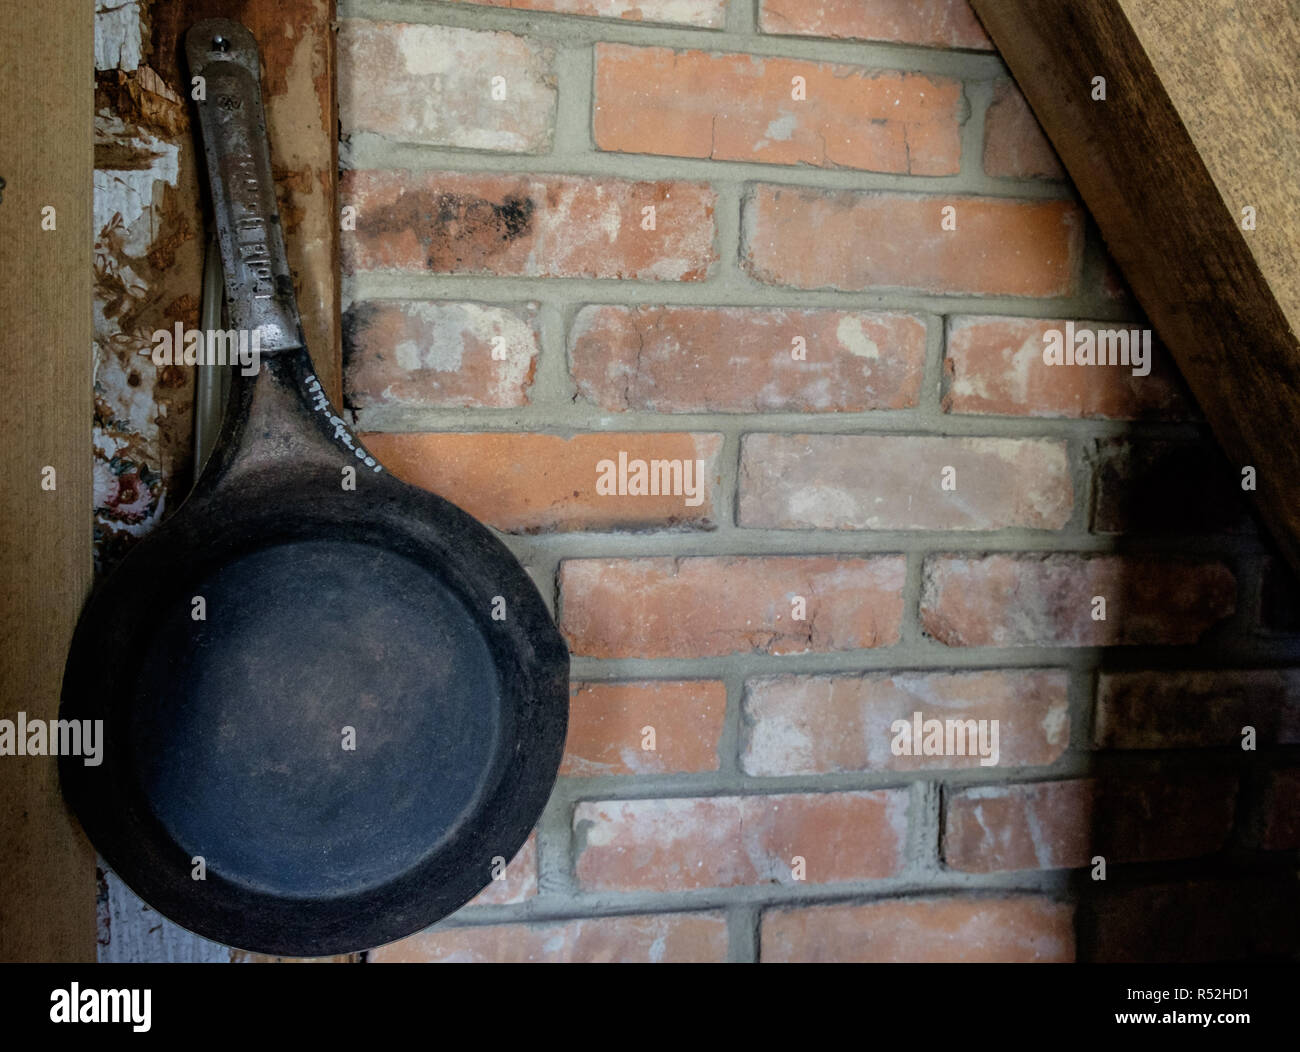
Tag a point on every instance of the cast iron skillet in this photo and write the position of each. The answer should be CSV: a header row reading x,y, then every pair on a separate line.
x,y
327,608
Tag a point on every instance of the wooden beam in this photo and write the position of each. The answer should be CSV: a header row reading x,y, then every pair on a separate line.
x,y
1201,120
47,869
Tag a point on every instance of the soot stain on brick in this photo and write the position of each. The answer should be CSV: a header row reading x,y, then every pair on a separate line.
x,y
354,328
356,320
517,215
458,232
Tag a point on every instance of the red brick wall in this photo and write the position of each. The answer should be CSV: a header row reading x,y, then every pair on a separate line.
x,y
771,820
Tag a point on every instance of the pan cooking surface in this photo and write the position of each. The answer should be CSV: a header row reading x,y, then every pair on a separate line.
x,y
238,736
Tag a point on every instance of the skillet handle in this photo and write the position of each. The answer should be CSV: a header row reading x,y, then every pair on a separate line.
x,y
259,286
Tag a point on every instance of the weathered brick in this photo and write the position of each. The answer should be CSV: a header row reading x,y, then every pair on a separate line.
x,y
608,721
1173,709
434,85
663,937
531,483
740,108
725,841
1063,825
706,606
741,359
1281,825
1165,487
1016,929
1047,600
930,23
895,482
1014,143
995,366
825,724
518,882
527,226
415,354
707,14
812,239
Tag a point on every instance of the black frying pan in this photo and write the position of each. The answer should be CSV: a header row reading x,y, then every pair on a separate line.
x,y
327,608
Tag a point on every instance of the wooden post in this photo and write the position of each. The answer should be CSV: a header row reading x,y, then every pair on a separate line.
x,y
47,868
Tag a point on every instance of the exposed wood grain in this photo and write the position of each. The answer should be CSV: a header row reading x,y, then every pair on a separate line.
x,y
1232,71
47,888
1200,120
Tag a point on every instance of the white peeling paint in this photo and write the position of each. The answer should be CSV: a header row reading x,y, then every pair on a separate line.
x,y
133,405
119,34
129,193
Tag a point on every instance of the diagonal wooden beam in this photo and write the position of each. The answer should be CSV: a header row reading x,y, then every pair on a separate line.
x,y
1200,122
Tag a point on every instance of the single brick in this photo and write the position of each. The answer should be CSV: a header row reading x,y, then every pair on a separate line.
x,y
707,606
662,937
442,86
1165,487
415,354
707,14
1014,144
608,725
1047,600
995,366
1064,825
1015,929
528,226
897,482
825,724
1172,709
747,359
1192,921
726,841
534,483
743,108
813,239
518,879
1281,827
930,23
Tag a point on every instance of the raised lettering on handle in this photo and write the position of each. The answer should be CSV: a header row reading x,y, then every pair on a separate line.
x,y
259,286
